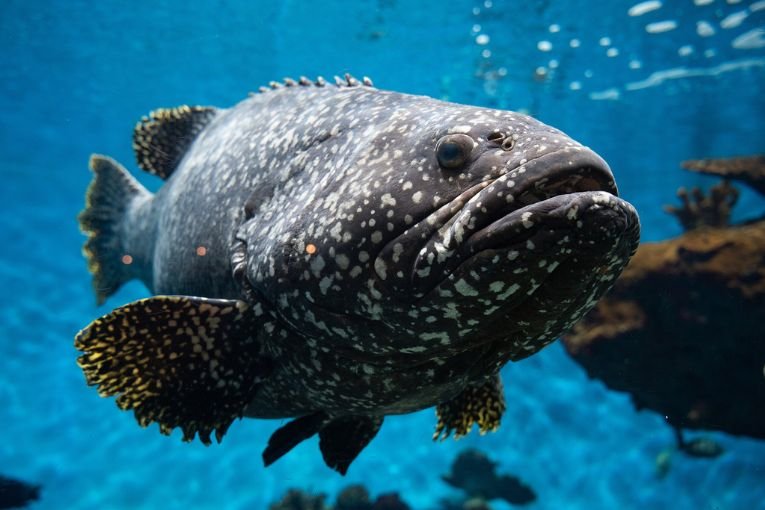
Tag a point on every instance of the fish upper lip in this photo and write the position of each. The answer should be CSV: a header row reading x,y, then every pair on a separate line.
x,y
569,170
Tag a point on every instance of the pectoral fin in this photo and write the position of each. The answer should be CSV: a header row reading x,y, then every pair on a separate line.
x,y
180,361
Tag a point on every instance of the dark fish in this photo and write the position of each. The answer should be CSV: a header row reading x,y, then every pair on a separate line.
x,y
17,494
341,253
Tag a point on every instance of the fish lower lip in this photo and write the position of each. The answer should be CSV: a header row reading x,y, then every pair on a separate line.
x,y
587,226
602,216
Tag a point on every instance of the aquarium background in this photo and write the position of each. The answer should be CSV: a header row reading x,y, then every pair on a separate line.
x,y
75,76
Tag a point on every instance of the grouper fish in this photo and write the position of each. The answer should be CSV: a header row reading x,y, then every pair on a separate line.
x,y
335,253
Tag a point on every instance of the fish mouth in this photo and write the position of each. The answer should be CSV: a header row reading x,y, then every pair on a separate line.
x,y
569,190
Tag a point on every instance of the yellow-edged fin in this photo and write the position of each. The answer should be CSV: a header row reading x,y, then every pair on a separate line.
x,y
481,405
180,361
161,139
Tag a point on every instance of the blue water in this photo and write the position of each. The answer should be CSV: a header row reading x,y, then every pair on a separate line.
x,y
74,78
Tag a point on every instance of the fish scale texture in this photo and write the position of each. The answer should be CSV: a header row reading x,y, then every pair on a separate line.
x,y
78,75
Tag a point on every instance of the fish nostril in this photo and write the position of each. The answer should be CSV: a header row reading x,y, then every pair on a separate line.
x,y
496,137
508,144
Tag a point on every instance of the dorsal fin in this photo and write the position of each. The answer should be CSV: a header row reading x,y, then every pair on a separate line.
x,y
161,139
346,81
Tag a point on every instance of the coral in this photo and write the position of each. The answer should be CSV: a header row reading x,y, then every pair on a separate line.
x,y
681,331
17,494
474,473
354,497
699,210
749,170
469,504
299,500
390,501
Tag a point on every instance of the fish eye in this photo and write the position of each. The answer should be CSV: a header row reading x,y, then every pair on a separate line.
x,y
453,151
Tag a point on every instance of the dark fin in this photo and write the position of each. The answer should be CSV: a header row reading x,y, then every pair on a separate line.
x,y
17,494
342,439
106,203
290,435
161,139
482,405
180,361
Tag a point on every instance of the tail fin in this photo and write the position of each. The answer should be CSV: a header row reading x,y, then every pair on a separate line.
x,y
106,203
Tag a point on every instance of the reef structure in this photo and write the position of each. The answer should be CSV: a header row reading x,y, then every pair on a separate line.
x,y
353,497
475,474
681,331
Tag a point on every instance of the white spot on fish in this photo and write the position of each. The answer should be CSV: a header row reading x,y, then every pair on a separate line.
x,y
342,261
497,286
381,268
509,292
388,200
465,288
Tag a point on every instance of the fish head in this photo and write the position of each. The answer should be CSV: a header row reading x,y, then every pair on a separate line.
x,y
452,227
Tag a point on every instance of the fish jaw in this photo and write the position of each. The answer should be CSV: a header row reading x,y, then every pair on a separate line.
x,y
436,246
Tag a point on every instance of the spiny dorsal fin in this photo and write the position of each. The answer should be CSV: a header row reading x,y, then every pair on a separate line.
x,y
346,81
161,139
180,361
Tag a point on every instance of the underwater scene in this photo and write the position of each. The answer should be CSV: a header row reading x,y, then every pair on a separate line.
x,y
409,284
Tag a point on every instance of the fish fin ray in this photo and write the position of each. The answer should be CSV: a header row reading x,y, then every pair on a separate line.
x,y
290,435
161,139
107,200
179,361
481,405
342,439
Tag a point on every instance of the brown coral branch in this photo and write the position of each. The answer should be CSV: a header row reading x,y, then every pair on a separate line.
x,y
700,210
749,170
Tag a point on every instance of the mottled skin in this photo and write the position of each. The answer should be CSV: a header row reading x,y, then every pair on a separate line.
x,y
353,172
368,252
